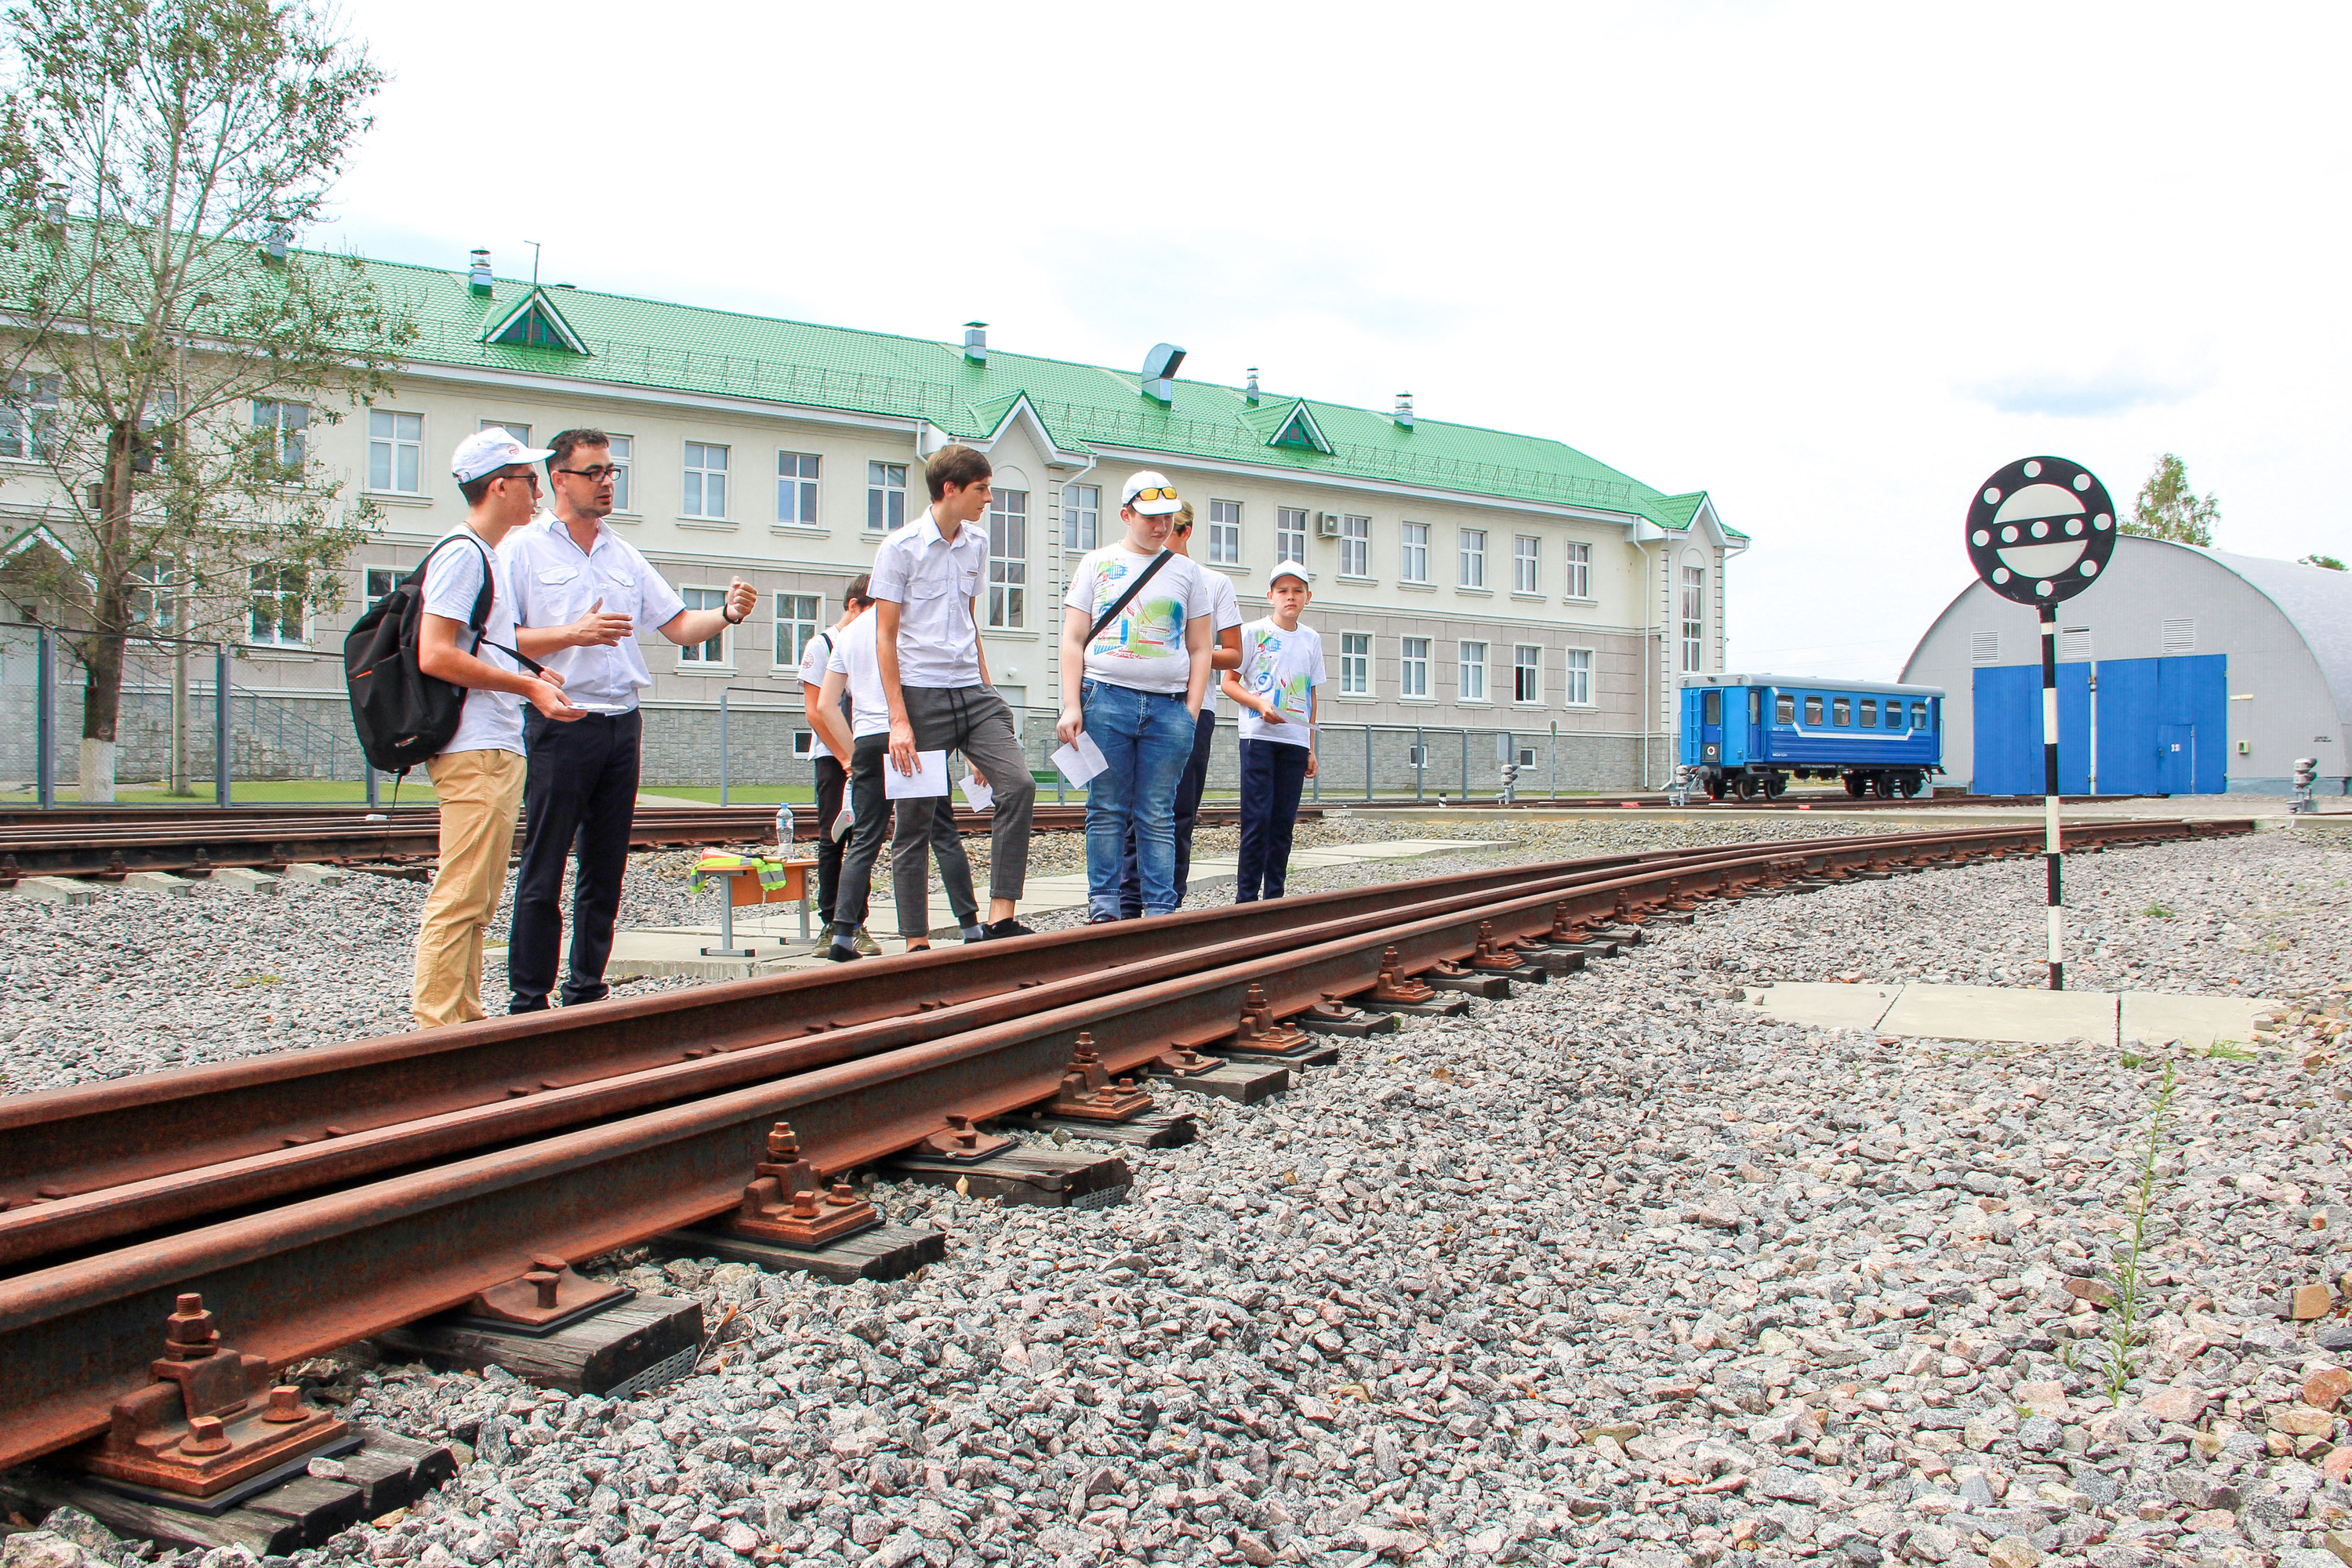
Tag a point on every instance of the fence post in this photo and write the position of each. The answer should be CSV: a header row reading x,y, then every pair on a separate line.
x,y
1555,759
220,724
1318,780
45,719
368,769
1466,767
722,746
1367,765
1420,762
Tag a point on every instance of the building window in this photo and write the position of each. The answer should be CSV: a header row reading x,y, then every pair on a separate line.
x,y
1527,673
1526,556
1784,709
1413,552
624,460
795,627
1812,710
1225,533
1580,569
151,595
1290,533
28,419
1081,515
381,580
395,451
514,427
715,650
796,489
705,480
1579,677
288,427
1008,560
276,617
1474,557
1355,664
886,497
1413,669
1473,672
1842,712
1694,618
1355,546
804,742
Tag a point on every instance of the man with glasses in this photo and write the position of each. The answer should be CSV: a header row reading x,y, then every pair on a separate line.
x,y
478,776
580,592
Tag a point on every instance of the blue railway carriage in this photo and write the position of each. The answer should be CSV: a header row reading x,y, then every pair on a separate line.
x,y
1750,734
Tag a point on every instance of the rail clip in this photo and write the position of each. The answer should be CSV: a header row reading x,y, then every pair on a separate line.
x,y
551,1290
1087,1091
1393,988
788,1203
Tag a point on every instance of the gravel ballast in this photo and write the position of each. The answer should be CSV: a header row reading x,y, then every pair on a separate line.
x,y
1614,1270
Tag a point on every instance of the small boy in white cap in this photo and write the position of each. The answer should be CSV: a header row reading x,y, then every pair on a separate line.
x,y
1282,664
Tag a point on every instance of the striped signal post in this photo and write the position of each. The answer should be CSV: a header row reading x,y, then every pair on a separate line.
x,y
2039,530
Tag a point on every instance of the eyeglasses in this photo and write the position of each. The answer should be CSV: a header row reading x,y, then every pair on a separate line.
x,y
530,478
597,475
1151,495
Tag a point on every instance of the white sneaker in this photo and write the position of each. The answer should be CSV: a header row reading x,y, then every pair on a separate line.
x,y
864,944
842,822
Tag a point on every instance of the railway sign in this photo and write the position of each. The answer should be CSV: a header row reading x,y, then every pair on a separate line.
x,y
2041,530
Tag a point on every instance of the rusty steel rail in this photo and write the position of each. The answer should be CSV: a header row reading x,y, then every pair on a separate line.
x,y
304,1278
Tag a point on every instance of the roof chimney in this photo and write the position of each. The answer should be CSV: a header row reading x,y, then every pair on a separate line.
x,y
478,276
1249,393
1404,411
975,341
276,238
1160,373
54,196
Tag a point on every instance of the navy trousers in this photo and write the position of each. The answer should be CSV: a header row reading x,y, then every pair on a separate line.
x,y
1273,774
1188,786
579,792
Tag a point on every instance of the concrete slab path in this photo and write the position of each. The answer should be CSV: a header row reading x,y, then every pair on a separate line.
x,y
2012,1014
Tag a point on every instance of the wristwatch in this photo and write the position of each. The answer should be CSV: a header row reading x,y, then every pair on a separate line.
x,y
733,620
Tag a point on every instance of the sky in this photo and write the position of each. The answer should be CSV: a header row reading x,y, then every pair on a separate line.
x,y
1832,264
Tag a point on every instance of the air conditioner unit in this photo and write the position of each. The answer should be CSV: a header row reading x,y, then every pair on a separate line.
x,y
1327,525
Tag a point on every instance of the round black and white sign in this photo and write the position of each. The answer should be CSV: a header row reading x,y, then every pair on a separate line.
x,y
2041,530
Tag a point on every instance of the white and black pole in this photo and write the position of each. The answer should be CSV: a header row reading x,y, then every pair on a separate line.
x,y
2039,530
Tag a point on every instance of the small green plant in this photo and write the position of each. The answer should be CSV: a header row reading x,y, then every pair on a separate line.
x,y
252,980
2124,1330
2157,913
2133,1060
2228,1051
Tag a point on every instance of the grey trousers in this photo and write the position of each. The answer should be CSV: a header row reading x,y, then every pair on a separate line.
x,y
974,719
927,828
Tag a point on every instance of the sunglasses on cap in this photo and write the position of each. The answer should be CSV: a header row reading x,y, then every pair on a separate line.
x,y
1151,495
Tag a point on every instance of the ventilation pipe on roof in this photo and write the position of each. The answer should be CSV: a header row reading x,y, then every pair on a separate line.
x,y
1160,373
478,276
1249,393
1404,411
54,196
276,238
975,341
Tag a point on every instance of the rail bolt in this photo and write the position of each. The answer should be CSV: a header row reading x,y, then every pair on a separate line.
x,y
783,1145
804,1203
547,1284
842,1195
189,1333
285,1406
960,1129
206,1436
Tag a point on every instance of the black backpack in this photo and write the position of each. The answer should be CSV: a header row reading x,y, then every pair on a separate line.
x,y
404,715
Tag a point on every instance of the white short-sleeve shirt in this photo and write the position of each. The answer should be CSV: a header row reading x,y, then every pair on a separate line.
x,y
555,582
490,721
1142,647
853,656
932,581
1224,613
1285,666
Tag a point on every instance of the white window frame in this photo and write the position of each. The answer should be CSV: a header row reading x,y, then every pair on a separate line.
x,y
1579,583
1694,619
1413,668
28,417
794,630
803,744
697,472
1470,544
275,587
1526,564
1081,517
1225,533
1008,561
624,458
1355,664
518,429
1413,552
290,424
1579,670
886,497
376,581
400,449
796,486
1355,545
1526,675
1470,680
1289,533
717,653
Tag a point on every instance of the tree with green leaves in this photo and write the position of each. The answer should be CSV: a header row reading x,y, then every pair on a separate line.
x,y
168,352
2168,509
2329,562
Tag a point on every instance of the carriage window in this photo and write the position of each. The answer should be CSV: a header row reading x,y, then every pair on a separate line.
x,y
1755,707
1812,710
1870,714
1710,708
1842,712
1784,709
1918,715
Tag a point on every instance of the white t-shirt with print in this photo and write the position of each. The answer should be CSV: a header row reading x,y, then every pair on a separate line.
x,y
490,721
1284,667
1224,612
853,656
1142,648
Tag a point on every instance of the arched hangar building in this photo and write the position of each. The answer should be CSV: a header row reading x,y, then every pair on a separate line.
x,y
2183,671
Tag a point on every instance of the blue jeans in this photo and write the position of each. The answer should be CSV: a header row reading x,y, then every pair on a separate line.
x,y
1146,738
1272,774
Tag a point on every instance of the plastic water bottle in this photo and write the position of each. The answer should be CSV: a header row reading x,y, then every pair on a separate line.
x,y
785,828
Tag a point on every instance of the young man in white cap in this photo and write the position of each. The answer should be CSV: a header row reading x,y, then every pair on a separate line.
x,y
580,592
478,776
1135,669
1282,664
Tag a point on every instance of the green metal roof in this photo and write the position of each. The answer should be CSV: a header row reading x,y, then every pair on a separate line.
x,y
682,348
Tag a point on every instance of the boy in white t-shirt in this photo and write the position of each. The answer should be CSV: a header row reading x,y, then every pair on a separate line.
x,y
1282,664
1135,671
830,723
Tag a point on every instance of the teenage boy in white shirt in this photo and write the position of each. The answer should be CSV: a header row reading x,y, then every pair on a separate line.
x,y
1134,675
479,774
1282,664
830,723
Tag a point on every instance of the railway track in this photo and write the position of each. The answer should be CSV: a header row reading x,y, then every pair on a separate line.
x,y
195,841
317,1197
1810,800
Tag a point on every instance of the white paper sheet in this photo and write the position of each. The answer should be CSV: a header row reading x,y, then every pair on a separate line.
x,y
976,794
1081,759
928,781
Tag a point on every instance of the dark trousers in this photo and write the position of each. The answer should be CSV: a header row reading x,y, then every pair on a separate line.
x,y
830,778
867,758
579,792
1189,787
1273,773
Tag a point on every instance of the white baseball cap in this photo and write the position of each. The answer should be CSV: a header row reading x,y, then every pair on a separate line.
x,y
1150,493
487,452
1290,569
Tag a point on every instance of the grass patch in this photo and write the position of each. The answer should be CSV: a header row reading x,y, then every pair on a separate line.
x,y
2228,1051
248,982
2157,913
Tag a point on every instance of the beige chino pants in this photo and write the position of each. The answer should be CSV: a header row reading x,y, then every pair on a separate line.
x,y
481,797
